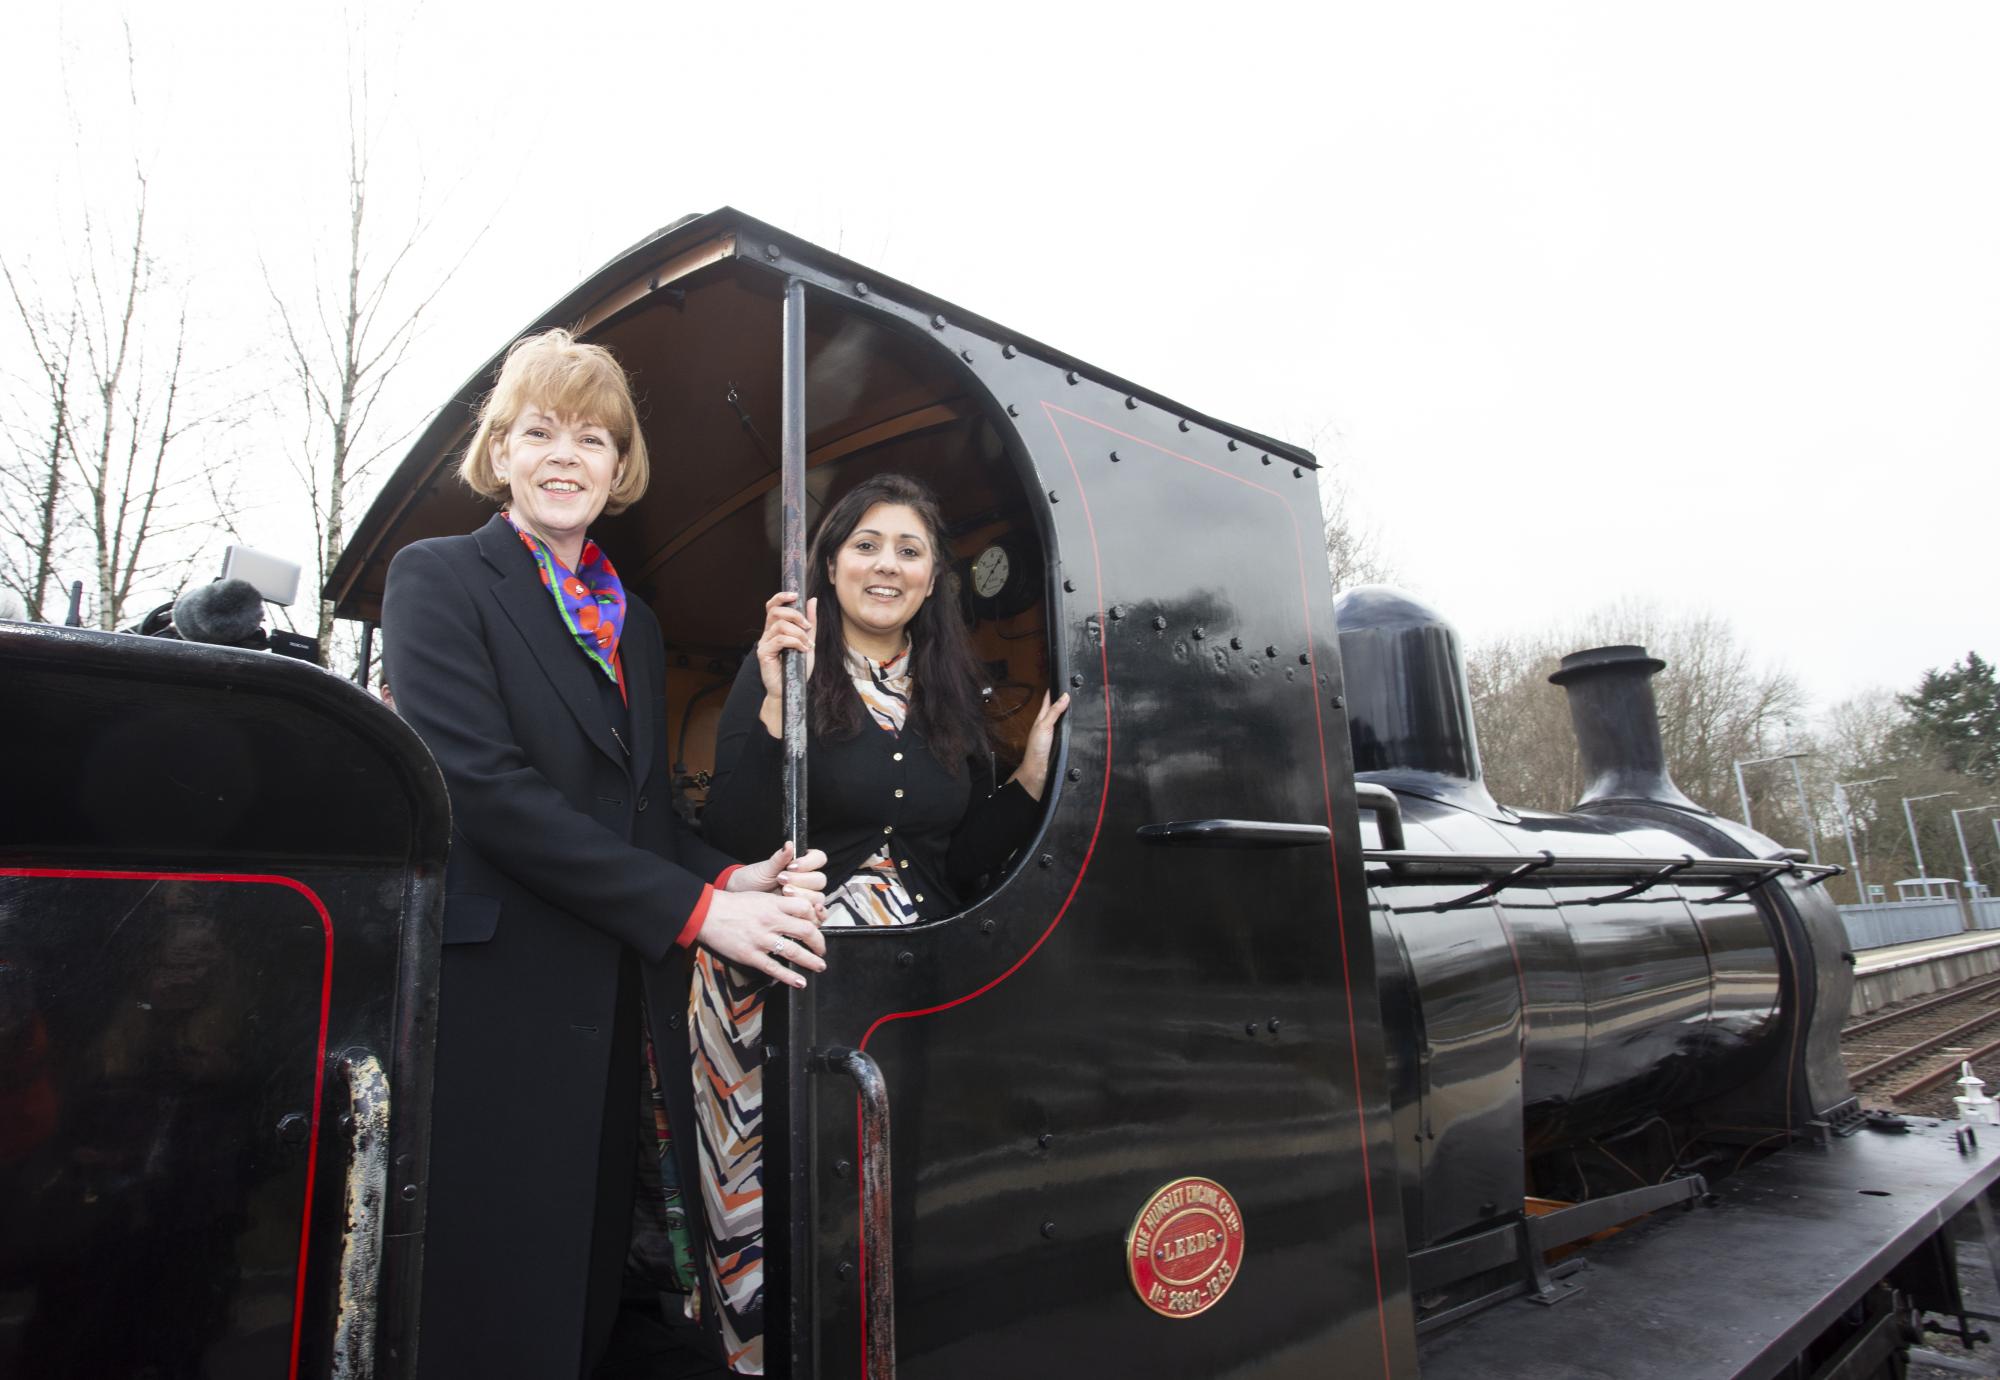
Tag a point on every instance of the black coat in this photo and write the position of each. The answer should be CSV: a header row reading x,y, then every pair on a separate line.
x,y
945,829
564,851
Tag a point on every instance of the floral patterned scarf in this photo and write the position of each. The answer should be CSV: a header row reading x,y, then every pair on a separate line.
x,y
591,600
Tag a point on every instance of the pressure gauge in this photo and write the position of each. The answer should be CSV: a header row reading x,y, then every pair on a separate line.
x,y
990,569
1004,578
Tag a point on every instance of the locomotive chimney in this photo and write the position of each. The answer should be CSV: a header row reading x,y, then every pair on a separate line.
x,y
1618,726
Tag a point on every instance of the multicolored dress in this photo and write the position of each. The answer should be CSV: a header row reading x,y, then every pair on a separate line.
x,y
726,1030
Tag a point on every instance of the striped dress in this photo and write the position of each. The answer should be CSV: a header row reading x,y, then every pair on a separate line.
x,y
726,1029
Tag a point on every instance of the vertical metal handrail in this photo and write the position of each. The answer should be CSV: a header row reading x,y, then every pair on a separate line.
x,y
878,1265
367,1201
792,547
789,1019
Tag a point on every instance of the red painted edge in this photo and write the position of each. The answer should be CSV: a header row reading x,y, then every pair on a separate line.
x,y
325,1007
1049,410
1333,849
1103,797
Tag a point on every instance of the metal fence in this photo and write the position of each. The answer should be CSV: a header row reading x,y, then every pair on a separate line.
x,y
1904,922
1986,913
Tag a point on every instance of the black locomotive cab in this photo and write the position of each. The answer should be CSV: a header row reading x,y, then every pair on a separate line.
x,y
1169,993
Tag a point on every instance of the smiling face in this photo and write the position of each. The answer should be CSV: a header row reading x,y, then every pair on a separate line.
x,y
559,472
881,575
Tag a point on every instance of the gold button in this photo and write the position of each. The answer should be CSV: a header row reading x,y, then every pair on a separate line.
x,y
899,757
888,828
920,899
899,793
904,863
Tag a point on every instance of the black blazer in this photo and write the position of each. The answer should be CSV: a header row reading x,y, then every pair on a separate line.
x,y
945,829
565,850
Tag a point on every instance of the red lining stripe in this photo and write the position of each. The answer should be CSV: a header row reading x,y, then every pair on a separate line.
x,y
1103,796
1103,793
1326,793
1333,849
319,1065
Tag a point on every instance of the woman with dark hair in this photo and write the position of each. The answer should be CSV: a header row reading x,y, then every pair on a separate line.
x,y
899,790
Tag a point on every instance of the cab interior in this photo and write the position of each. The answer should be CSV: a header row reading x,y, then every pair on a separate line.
x,y
702,547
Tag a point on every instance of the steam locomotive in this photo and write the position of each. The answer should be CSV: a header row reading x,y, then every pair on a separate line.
x,y
1283,1049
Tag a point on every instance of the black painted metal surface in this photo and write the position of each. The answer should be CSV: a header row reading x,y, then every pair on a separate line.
x,y
217,879
1546,1015
1565,994
1120,1013
1736,1290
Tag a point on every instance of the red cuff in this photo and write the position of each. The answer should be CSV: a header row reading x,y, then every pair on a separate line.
x,y
721,882
693,927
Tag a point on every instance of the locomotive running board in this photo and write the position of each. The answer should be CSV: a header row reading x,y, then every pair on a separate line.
x,y
1525,1242
1736,1292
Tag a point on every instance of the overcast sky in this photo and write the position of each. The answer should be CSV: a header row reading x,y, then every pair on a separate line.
x,y
1694,303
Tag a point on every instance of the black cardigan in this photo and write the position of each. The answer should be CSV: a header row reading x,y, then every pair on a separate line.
x,y
944,830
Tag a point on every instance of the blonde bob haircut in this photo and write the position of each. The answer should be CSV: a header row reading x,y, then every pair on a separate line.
x,y
557,373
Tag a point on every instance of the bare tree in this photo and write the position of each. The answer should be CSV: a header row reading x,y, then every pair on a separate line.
x,y
1354,551
36,524
1354,554
1525,741
121,461
112,483
342,351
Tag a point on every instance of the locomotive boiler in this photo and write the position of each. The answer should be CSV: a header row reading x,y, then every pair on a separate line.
x,y
1283,1049
1585,1013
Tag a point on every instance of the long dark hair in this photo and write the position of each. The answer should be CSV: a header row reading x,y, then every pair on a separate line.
x,y
944,701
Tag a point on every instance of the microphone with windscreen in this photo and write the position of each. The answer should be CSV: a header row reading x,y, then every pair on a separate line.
x,y
226,613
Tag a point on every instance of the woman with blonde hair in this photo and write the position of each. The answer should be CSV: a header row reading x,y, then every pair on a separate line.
x,y
575,895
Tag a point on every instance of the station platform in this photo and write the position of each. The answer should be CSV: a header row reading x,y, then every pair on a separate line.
x,y
1899,972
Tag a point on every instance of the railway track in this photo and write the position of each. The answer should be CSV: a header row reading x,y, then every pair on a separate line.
x,y
1908,1058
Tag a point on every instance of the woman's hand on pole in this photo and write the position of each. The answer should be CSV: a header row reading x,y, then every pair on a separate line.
x,y
786,873
785,629
1034,770
763,932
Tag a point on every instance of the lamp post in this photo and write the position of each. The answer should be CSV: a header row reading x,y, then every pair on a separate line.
x,y
1840,789
1963,852
1911,820
1798,783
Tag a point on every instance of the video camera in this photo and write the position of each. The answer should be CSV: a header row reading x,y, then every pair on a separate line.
x,y
229,610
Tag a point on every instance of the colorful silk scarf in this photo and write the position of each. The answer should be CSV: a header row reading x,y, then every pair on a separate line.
x,y
590,598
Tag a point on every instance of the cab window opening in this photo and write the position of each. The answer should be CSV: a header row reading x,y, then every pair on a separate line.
x,y
878,402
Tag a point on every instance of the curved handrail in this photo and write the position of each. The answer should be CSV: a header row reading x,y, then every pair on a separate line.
x,y
878,1280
